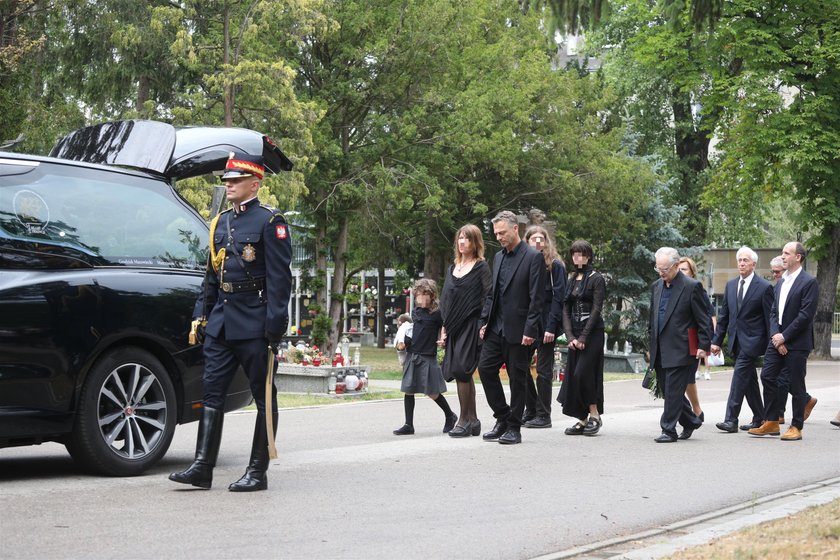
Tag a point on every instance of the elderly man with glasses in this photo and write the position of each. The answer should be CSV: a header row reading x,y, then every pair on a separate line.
x,y
680,334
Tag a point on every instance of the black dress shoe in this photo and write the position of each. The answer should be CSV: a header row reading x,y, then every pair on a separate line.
x,y
576,430
527,417
510,437
729,427
592,426
750,426
686,433
405,430
450,423
665,438
496,432
460,431
702,417
539,422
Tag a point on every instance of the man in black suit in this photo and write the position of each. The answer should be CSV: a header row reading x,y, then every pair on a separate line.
x,y
679,320
745,319
791,340
511,317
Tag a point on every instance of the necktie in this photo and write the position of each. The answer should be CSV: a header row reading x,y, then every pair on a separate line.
x,y
740,294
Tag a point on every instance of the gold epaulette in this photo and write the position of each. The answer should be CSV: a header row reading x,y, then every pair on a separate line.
x,y
216,257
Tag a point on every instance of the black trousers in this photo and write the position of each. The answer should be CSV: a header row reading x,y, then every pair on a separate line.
x,y
744,384
677,408
494,352
538,398
222,359
775,392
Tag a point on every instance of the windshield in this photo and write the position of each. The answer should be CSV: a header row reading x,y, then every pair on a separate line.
x,y
104,217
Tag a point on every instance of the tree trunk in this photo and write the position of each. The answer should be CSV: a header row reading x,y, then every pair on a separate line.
x,y
142,93
828,269
228,88
433,262
380,307
336,305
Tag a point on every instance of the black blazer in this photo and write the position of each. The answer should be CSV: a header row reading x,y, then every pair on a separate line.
x,y
688,307
555,294
522,298
750,324
800,309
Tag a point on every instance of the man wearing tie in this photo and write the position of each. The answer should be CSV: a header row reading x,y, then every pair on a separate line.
x,y
679,319
791,340
745,318
512,319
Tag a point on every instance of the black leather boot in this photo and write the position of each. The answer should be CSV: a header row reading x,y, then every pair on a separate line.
x,y
256,477
200,473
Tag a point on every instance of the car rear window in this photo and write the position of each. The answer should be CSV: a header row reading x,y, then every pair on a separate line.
x,y
112,218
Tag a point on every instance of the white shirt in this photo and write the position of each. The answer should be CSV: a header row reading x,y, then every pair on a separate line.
x,y
788,278
405,329
747,281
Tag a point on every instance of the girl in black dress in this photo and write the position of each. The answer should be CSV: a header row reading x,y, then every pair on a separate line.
x,y
421,372
582,391
467,284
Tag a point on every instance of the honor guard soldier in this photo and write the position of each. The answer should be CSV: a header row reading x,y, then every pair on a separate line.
x,y
244,312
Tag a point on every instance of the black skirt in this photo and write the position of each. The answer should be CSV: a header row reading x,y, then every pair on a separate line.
x,y
460,359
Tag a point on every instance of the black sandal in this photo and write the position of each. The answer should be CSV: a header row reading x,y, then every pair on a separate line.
x,y
592,426
575,430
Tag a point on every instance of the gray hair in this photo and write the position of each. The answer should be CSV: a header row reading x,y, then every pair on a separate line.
x,y
506,216
669,252
749,252
777,261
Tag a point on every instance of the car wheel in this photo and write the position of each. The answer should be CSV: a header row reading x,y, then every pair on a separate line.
x,y
126,415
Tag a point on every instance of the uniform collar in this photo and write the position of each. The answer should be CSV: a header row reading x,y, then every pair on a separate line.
x,y
245,205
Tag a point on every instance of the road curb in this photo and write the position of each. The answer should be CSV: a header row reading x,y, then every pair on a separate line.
x,y
699,530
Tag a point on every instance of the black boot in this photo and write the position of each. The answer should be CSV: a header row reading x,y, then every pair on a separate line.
x,y
200,473
255,477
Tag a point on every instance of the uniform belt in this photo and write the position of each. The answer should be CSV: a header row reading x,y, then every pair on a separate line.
x,y
249,286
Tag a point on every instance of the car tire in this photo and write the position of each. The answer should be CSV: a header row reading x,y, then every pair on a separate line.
x,y
126,414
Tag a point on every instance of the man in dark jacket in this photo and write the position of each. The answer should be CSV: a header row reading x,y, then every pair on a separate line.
x,y
680,335
744,318
512,319
246,305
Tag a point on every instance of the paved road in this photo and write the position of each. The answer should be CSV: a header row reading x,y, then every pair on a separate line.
x,y
344,487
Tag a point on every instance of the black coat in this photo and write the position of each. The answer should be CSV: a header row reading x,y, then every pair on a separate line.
x,y
260,236
521,298
750,324
688,308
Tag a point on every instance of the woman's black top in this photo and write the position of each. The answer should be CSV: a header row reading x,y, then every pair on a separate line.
x,y
463,298
584,301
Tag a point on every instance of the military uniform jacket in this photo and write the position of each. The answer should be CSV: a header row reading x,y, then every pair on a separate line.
x,y
257,251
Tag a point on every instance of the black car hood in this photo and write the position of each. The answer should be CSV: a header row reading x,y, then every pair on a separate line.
x,y
162,149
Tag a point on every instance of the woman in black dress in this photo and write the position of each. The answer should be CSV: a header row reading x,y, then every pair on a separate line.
x,y
467,283
582,391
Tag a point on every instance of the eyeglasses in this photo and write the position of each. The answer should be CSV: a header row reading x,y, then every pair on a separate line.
x,y
777,272
664,270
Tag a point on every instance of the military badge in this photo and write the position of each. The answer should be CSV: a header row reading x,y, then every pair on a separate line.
x,y
281,232
249,253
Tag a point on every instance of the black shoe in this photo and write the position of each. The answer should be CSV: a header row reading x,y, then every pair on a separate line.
x,y
460,431
729,427
475,428
406,430
686,433
200,473
528,416
450,423
256,475
750,426
252,481
665,438
576,430
702,417
539,422
496,432
510,437
592,426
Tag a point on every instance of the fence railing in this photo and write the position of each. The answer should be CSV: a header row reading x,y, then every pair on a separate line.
x,y
835,325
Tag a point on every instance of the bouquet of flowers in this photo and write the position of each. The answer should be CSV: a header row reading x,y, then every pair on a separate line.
x,y
306,356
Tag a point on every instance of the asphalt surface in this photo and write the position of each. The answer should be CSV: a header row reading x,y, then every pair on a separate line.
x,y
345,487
